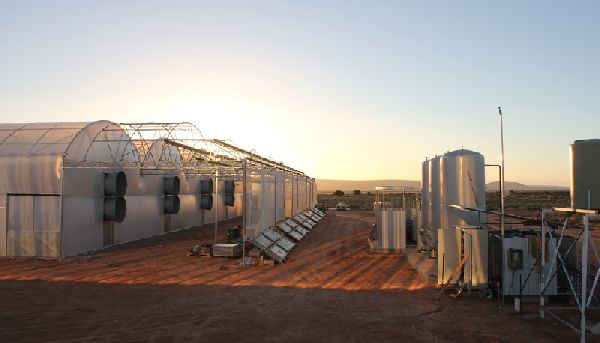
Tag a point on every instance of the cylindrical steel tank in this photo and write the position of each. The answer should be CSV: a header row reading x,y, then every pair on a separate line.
x,y
434,198
424,229
425,203
462,183
585,168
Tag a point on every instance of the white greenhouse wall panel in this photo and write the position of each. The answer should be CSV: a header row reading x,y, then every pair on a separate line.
x,y
144,219
24,174
279,196
83,209
189,213
295,198
289,196
261,196
82,227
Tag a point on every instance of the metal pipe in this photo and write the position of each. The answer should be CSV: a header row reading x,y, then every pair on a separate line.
x,y
244,220
562,321
584,271
543,262
275,199
217,201
502,187
520,290
443,267
502,172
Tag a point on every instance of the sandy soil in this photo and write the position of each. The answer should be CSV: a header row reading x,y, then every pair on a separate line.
x,y
331,290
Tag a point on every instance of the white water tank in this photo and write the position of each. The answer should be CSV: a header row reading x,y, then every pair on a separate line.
x,y
585,174
462,183
434,197
425,202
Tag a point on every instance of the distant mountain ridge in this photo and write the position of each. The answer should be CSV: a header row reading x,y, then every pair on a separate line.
x,y
327,185
515,186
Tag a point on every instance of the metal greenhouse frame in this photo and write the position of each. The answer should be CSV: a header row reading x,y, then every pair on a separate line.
x,y
147,153
578,289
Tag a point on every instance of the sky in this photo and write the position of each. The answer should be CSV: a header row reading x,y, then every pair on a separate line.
x,y
352,90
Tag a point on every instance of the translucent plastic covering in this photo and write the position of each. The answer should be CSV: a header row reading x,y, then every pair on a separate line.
x,y
161,155
279,195
301,194
100,141
295,195
289,210
261,197
38,138
314,194
268,199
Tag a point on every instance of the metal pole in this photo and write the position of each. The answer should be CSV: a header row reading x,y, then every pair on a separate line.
x,y
245,202
543,262
584,271
284,195
217,201
501,172
275,199
502,189
520,291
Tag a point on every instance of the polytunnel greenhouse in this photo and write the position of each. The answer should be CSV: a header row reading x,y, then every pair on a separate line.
x,y
70,188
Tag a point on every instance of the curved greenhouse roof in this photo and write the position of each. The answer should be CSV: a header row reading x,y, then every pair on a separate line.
x,y
99,141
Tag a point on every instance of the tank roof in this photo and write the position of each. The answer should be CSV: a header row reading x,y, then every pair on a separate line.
x,y
462,152
587,141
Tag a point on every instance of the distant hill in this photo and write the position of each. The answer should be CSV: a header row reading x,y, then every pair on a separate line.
x,y
515,186
326,186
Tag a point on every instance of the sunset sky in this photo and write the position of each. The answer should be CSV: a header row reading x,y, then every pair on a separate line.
x,y
352,90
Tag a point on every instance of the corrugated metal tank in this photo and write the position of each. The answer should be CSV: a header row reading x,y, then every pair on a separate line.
x,y
434,197
391,228
462,182
425,203
585,168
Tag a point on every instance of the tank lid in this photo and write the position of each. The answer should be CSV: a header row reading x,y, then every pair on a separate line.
x,y
587,141
462,152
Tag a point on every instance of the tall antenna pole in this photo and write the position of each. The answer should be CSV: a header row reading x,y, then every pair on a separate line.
x,y
501,173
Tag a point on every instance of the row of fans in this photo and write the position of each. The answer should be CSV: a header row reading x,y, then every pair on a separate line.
x,y
115,187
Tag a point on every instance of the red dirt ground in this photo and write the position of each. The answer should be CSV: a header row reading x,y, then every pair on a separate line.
x,y
331,290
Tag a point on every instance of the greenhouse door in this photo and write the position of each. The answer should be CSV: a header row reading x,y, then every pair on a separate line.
x,y
33,225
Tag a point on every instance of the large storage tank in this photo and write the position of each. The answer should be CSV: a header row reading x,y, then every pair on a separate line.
x,y
434,198
462,182
425,203
585,171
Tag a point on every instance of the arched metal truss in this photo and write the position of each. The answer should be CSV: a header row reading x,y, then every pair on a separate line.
x,y
168,147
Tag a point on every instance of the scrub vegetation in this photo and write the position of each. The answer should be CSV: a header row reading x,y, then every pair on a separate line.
x,y
514,201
